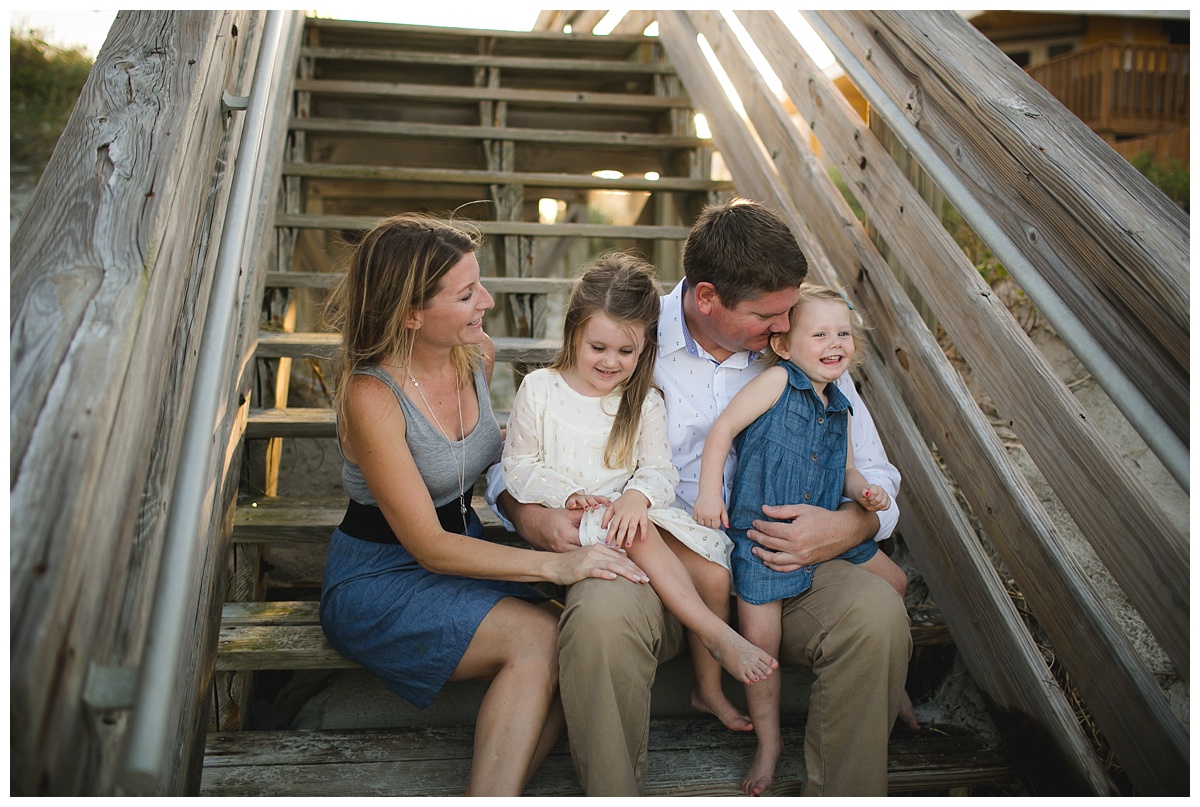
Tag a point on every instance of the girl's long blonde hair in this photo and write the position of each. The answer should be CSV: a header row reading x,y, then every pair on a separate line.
x,y
392,273
624,288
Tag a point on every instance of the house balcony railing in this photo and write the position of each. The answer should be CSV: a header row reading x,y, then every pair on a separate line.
x,y
1122,90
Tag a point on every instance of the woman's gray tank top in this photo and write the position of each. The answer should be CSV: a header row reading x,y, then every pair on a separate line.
x,y
430,448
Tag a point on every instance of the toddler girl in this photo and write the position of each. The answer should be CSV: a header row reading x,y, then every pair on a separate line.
x,y
589,432
794,449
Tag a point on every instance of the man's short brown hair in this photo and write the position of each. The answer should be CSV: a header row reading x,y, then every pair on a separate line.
x,y
744,250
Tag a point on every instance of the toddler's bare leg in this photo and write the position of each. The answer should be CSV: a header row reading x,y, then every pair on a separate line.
x,y
764,623
671,582
881,565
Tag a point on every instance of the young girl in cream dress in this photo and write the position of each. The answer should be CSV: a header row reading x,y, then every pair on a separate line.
x,y
589,432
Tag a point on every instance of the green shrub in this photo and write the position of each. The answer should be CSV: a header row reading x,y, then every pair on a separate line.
x,y
1170,176
44,83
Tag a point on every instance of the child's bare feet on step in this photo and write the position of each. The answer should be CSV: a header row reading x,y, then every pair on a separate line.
x,y
761,774
744,661
723,709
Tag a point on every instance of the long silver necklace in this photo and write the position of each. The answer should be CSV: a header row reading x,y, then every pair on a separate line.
x,y
461,469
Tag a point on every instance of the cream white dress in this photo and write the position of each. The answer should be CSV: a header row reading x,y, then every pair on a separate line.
x,y
555,448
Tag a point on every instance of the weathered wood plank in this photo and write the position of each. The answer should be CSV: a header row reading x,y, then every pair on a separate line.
x,y
277,647
1064,591
434,58
686,758
539,41
1141,548
110,272
1114,248
313,519
291,422
494,285
560,137
285,635
468,177
525,228
549,98
323,345
1007,664
634,22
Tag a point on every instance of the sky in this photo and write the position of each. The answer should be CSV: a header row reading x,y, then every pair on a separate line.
x,y
87,28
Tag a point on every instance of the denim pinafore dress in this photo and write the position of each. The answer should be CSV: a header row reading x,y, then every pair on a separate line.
x,y
794,453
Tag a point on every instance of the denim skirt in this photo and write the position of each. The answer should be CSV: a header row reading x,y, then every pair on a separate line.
x,y
405,624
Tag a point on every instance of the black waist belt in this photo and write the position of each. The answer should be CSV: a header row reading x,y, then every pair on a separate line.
x,y
366,522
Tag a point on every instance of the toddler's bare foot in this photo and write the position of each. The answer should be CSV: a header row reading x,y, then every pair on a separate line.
x,y
907,714
724,710
761,774
744,661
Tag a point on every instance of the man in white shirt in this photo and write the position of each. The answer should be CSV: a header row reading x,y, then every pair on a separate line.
x,y
742,271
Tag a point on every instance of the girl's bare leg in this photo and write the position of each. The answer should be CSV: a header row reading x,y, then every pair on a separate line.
x,y
764,624
881,565
516,646
712,584
671,582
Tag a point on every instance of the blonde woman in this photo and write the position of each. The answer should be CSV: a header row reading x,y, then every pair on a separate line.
x,y
411,592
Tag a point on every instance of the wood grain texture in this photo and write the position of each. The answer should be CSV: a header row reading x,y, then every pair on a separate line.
x,y
604,140
323,345
686,758
891,201
110,274
526,178
431,58
1003,659
1140,547
548,98
1113,246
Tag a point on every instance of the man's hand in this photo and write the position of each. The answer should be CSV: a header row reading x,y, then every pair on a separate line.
x,y
548,528
804,534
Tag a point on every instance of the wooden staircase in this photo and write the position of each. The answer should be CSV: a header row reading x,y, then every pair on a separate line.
x,y
481,125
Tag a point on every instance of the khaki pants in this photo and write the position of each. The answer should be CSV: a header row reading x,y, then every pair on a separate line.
x,y
851,628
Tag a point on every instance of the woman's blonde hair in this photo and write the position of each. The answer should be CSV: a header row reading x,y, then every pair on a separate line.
x,y
625,289
810,292
393,272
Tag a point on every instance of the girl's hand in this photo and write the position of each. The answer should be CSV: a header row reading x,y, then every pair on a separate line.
x,y
875,498
626,519
597,560
710,512
582,501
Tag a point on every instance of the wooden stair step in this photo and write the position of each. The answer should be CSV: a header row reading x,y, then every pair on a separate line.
x,y
532,229
687,757
611,67
444,93
556,137
287,636
476,177
494,285
323,345
275,636
263,424
353,33
311,520
303,421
